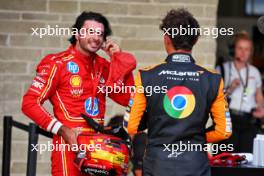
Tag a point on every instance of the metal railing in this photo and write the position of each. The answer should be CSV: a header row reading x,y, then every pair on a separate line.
x,y
33,133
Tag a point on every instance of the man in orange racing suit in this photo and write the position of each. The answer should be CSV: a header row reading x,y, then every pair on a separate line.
x,y
176,118
73,80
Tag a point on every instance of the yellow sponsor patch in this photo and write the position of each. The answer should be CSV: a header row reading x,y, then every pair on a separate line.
x,y
76,81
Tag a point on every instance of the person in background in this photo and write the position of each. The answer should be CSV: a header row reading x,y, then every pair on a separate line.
x,y
243,87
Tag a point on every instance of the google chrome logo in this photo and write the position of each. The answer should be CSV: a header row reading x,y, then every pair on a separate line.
x,y
179,102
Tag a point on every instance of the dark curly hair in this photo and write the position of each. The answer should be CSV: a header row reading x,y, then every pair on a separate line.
x,y
90,16
181,18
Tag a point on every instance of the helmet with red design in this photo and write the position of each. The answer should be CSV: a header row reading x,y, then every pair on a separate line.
x,y
103,153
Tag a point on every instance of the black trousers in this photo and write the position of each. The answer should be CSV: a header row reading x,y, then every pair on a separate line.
x,y
139,146
186,164
244,130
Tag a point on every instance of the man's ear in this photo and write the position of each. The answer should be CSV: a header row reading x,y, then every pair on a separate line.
x,y
168,43
167,40
77,36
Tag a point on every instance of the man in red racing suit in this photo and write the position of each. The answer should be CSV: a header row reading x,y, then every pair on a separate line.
x,y
72,80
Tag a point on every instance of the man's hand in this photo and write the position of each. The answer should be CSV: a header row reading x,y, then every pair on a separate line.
x,y
69,135
259,113
234,84
110,47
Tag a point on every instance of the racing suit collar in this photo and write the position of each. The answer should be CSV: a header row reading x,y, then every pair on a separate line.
x,y
85,59
179,57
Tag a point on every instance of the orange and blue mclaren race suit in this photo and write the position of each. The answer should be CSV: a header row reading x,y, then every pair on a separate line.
x,y
178,116
71,81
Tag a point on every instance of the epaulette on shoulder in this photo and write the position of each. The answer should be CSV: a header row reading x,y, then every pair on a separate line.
x,y
67,57
62,57
210,70
151,67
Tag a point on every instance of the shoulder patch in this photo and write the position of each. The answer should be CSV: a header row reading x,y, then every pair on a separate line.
x,y
67,58
209,69
152,67
56,58
61,56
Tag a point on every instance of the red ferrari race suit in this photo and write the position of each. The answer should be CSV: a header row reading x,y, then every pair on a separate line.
x,y
71,82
